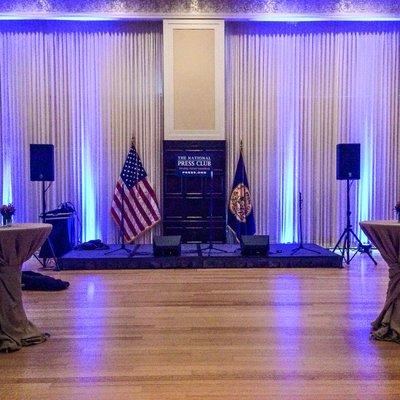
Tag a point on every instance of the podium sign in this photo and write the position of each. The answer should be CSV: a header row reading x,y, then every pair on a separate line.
x,y
193,163
193,176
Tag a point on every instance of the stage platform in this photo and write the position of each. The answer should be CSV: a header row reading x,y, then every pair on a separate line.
x,y
194,256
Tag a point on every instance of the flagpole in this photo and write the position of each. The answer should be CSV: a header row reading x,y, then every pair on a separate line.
x,y
138,207
241,155
121,225
240,211
122,220
134,251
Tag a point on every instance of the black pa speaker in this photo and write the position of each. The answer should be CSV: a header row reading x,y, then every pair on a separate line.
x,y
61,238
42,162
254,245
167,246
348,161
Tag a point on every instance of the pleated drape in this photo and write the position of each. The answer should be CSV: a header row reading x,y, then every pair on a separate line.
x,y
292,95
88,93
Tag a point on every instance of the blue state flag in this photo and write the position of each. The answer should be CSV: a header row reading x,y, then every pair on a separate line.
x,y
240,209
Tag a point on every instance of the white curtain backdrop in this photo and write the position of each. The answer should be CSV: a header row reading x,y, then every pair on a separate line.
x,y
293,92
88,91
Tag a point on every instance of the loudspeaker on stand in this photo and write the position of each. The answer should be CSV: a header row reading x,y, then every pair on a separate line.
x,y
348,161
42,162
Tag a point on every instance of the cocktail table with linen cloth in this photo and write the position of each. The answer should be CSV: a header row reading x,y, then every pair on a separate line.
x,y
385,235
17,244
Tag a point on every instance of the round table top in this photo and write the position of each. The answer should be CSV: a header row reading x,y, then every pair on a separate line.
x,y
24,227
382,223
19,241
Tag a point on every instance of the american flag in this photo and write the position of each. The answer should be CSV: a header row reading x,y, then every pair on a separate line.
x,y
134,206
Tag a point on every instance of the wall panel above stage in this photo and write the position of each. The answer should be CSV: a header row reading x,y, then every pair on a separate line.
x,y
189,202
194,97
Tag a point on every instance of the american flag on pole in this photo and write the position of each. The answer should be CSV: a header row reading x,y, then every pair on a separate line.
x,y
134,206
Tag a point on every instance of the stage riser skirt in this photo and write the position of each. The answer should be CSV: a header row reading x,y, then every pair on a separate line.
x,y
280,257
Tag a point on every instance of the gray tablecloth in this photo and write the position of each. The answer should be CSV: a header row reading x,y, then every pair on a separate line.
x,y
385,235
17,244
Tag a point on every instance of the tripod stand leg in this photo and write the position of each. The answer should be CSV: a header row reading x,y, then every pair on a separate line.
x,y
52,256
348,231
338,242
56,268
121,247
370,256
134,251
360,244
304,249
345,249
210,247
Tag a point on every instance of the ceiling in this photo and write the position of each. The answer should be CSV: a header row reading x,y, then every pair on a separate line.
x,y
263,10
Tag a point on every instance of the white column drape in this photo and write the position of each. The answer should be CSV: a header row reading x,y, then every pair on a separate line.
x,y
293,93
88,92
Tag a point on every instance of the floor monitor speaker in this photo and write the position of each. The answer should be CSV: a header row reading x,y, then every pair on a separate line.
x,y
348,161
42,162
164,246
254,245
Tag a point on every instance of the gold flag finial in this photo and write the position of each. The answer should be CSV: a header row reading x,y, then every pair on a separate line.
x,y
133,141
241,144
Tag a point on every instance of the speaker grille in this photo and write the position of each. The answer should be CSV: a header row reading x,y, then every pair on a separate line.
x,y
42,162
167,245
348,161
255,245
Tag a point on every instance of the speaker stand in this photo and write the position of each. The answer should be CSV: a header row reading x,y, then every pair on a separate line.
x,y
343,244
48,240
300,231
121,247
210,245
134,252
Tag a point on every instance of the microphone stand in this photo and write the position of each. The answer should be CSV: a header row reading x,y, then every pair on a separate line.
x,y
300,231
211,221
